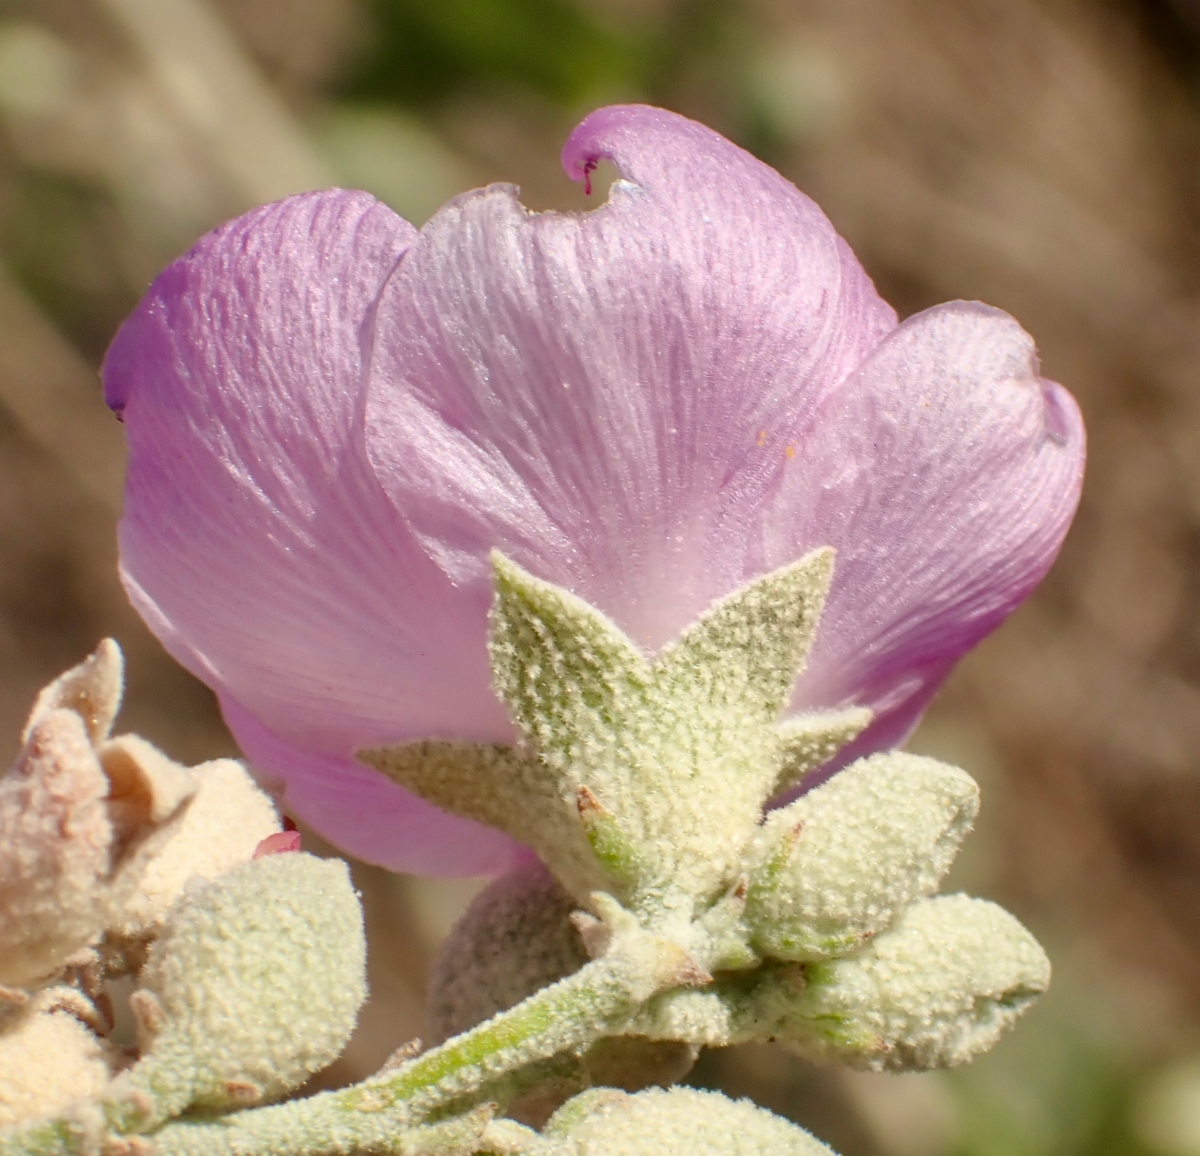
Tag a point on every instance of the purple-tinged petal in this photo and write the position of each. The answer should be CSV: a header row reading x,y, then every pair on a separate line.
x,y
946,472
255,542
333,421
604,396
355,807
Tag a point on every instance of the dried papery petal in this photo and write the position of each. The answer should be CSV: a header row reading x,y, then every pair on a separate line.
x,y
56,842
223,826
145,789
92,690
77,821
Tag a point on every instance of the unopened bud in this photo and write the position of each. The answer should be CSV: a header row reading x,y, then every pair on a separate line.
x,y
672,1122
839,864
254,984
937,989
516,938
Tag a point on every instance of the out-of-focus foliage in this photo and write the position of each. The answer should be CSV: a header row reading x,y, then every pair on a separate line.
x,y
1043,155
422,52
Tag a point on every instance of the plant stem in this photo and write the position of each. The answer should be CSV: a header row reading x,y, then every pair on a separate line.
x,y
371,1116
374,1115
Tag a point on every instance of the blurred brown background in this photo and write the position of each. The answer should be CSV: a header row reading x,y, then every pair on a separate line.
x,y
1043,155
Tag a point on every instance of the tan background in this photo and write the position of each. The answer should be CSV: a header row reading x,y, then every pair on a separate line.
x,y
1043,156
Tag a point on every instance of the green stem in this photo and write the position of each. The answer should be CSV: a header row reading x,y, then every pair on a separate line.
x,y
373,1116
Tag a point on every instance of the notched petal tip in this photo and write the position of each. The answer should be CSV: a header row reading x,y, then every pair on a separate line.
x,y
655,148
1064,422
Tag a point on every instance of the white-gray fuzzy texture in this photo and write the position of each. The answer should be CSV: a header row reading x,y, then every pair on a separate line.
x,y
514,939
224,823
673,1122
48,1059
841,863
934,991
254,985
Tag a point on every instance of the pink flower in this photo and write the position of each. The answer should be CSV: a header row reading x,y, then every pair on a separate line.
x,y
333,418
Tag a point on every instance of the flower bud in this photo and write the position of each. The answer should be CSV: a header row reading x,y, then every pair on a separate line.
x,y
672,1122
514,939
839,864
254,984
938,988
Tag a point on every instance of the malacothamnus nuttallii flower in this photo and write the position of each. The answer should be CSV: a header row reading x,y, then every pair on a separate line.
x,y
333,419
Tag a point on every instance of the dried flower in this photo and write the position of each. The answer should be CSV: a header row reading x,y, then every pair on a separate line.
x,y
80,816
333,419
226,822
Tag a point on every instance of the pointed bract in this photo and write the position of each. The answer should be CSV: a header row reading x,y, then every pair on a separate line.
x,y
625,756
567,674
811,740
743,655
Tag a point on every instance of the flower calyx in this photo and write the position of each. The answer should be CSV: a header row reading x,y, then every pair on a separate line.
x,y
641,782
623,755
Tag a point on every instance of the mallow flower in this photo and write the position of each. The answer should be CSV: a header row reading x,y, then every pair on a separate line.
x,y
334,418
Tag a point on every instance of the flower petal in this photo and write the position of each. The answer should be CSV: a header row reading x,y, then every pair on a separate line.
x,y
601,395
255,542
333,421
946,472
360,810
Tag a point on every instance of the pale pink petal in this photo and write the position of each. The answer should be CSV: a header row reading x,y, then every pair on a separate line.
x,y
355,808
946,472
255,541
603,396
280,843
